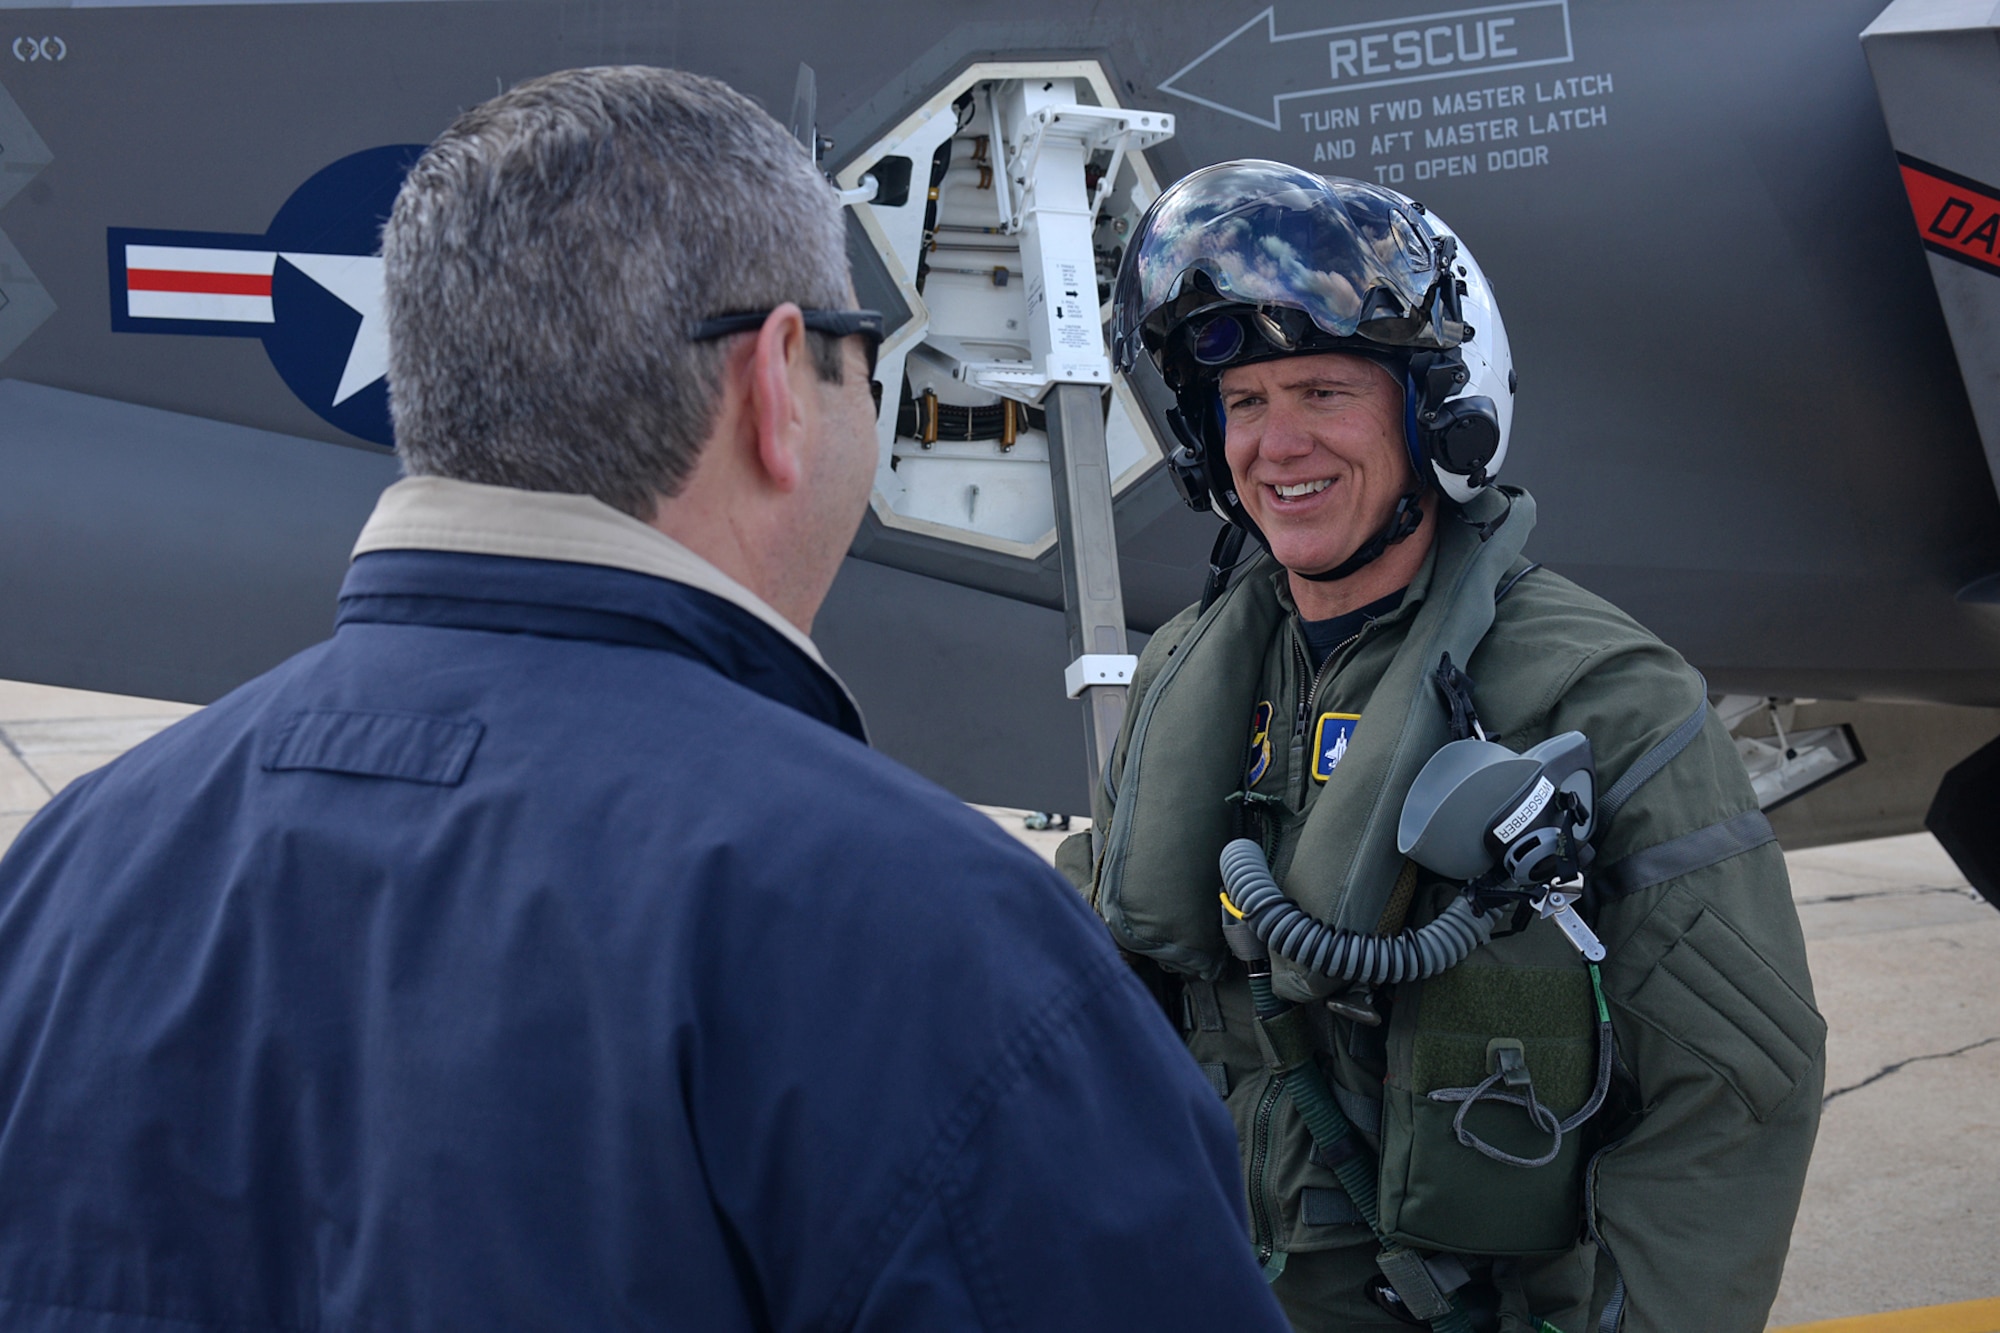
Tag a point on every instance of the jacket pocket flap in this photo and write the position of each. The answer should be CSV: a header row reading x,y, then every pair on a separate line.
x,y
409,747
1714,995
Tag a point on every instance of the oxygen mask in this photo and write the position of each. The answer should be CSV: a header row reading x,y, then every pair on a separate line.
x,y
1512,826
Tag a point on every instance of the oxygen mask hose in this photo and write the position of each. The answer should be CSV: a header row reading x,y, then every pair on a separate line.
x,y
1291,932
1289,1047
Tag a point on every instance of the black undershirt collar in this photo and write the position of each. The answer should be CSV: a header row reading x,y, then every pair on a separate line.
x,y
1324,637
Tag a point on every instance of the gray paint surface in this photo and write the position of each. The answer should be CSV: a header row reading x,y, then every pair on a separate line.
x,y
219,548
1740,407
1936,67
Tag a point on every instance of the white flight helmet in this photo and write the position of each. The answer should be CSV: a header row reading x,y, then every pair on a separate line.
x,y
1489,362
1252,260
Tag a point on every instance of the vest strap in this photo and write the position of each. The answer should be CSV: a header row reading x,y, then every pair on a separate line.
x,y
1684,855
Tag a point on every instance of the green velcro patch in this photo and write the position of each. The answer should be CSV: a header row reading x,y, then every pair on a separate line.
x,y
1551,1010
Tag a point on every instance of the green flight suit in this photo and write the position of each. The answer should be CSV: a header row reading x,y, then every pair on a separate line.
x,y
1696,1163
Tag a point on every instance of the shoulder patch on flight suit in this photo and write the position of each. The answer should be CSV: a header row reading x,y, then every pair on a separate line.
x,y
1330,739
1260,743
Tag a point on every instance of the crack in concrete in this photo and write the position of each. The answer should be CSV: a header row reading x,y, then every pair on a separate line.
x,y
7,744
1887,1070
1955,890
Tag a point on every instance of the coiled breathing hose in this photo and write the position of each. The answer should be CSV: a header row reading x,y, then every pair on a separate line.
x,y
1291,932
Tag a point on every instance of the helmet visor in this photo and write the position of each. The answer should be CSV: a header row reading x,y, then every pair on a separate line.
x,y
1350,257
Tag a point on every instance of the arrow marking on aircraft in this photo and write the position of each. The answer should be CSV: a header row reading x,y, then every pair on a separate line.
x,y
1256,62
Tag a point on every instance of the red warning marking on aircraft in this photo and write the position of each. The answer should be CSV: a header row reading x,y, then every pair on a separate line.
x,y
1957,216
184,282
170,280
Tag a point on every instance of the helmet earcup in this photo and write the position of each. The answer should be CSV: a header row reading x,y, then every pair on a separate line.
x,y
1487,392
1456,433
1463,436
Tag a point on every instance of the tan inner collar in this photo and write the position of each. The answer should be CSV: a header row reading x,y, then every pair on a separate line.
x,y
442,514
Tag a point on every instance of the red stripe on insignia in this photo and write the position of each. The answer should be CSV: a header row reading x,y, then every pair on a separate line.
x,y
220,284
1957,217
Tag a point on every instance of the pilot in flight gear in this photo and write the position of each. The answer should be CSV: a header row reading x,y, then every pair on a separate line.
x,y
1579,1117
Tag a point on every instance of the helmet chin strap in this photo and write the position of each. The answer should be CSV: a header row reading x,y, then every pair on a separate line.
x,y
1409,516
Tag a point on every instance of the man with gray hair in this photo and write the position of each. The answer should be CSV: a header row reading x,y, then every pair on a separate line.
x,y
547,948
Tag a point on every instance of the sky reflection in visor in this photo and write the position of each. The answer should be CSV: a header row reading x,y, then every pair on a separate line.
x,y
1268,234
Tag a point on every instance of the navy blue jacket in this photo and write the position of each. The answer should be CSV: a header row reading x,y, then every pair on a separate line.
x,y
545,950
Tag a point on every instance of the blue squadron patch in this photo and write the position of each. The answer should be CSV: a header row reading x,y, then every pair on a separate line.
x,y
1260,743
1330,741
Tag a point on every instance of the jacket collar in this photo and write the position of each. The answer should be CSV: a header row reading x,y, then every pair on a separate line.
x,y
442,514
542,532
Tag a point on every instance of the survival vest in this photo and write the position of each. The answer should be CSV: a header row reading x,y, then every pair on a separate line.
x,y
1157,882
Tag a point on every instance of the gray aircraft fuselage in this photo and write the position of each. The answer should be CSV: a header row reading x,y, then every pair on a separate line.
x,y
1739,408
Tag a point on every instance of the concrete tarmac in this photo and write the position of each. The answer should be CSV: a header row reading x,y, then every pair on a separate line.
x,y
1902,1205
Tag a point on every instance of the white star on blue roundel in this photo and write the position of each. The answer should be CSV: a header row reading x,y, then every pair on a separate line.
x,y
310,287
